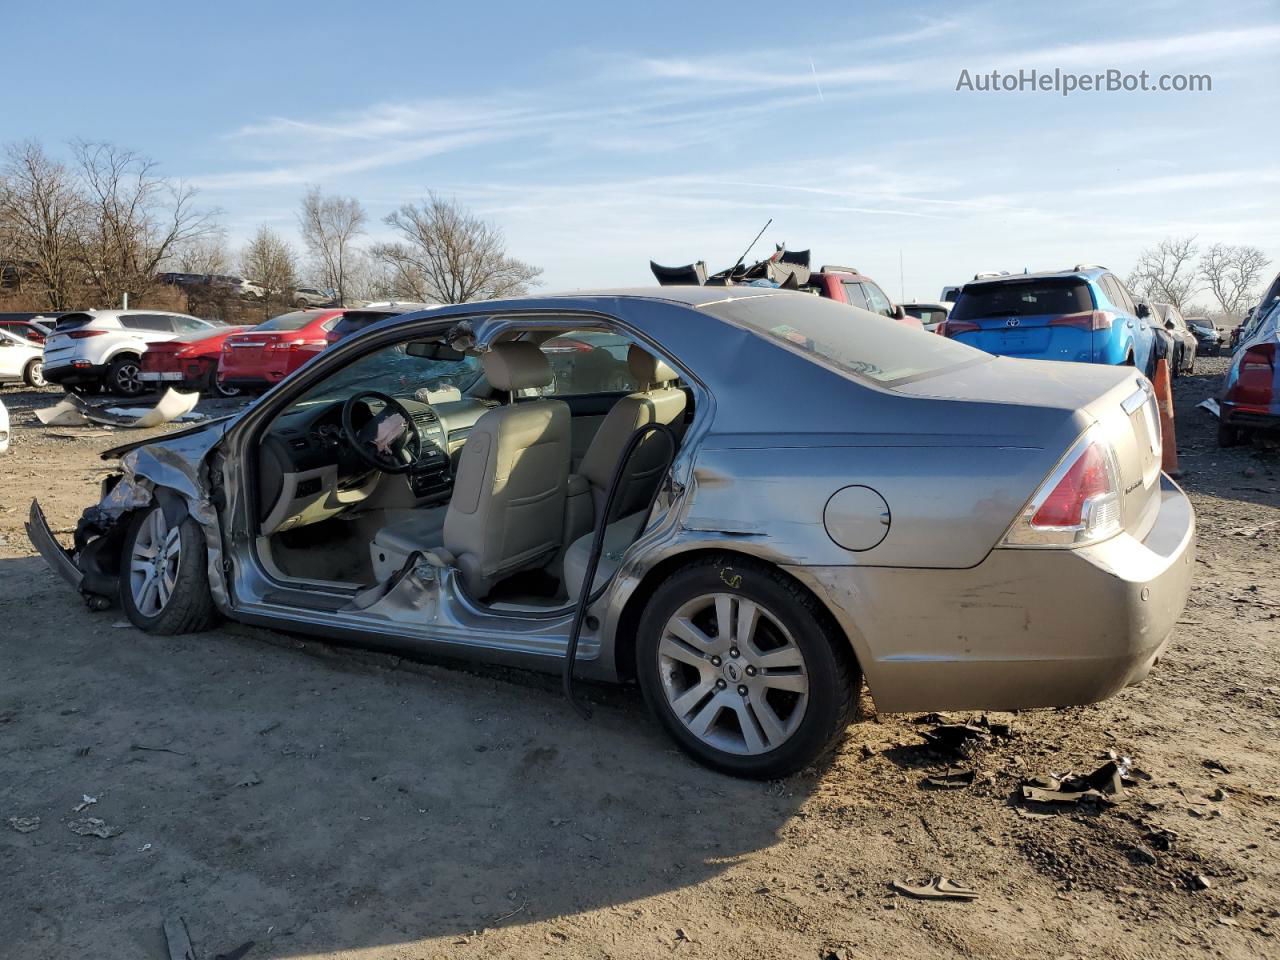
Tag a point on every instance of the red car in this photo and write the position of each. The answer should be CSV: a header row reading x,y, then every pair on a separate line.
x,y
189,362
33,329
262,356
846,285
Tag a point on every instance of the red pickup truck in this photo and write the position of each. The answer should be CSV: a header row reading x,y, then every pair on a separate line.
x,y
847,285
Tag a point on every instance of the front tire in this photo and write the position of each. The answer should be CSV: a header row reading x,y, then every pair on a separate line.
x,y
744,669
164,576
34,374
122,376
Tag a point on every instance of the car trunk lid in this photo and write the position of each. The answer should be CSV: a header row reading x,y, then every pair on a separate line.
x,y
1119,399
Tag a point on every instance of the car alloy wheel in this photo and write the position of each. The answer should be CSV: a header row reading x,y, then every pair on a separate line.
x,y
732,674
124,378
154,560
35,374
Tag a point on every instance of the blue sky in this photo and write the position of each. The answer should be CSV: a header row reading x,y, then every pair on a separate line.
x,y
600,136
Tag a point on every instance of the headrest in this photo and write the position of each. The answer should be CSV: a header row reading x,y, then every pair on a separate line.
x,y
516,365
646,369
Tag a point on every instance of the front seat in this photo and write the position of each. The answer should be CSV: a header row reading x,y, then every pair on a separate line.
x,y
507,509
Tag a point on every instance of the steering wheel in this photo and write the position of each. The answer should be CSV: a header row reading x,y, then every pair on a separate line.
x,y
399,449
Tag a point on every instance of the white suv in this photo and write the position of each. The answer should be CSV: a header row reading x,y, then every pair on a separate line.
x,y
88,352
20,360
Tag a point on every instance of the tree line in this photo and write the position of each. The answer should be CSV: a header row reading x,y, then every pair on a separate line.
x,y
103,223
1176,271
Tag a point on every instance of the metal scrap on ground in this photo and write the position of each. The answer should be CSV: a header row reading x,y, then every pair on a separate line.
x,y
72,411
939,888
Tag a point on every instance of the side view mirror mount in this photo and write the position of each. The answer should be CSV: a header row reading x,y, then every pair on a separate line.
x,y
898,312
1143,310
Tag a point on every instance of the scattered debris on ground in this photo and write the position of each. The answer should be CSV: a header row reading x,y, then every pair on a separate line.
x,y
939,888
93,827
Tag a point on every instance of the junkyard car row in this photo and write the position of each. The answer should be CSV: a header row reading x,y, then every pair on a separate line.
x,y
438,482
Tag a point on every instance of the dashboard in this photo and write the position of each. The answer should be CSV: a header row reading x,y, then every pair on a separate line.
x,y
308,472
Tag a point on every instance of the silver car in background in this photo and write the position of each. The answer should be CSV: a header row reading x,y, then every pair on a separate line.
x,y
847,501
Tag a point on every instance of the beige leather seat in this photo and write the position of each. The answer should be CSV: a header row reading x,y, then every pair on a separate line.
x,y
657,401
507,509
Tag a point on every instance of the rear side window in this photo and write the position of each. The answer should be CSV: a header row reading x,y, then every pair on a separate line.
x,y
1028,298
157,322
873,348
853,291
287,321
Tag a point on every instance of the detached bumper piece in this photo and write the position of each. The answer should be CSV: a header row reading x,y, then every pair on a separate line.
x,y
57,556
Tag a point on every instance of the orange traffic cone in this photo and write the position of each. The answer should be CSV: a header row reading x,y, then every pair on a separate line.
x,y
1164,400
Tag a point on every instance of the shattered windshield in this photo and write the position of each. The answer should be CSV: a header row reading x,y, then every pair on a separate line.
x,y
392,370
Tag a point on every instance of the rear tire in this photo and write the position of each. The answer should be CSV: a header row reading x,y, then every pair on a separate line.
x,y
164,575
34,374
122,376
1229,436
215,389
761,698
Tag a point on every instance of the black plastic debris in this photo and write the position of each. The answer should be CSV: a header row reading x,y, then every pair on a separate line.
x,y
953,778
956,737
1098,788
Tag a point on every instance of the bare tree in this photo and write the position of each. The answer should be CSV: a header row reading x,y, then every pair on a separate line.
x,y
203,255
330,226
41,213
1166,272
1231,273
448,255
135,219
272,262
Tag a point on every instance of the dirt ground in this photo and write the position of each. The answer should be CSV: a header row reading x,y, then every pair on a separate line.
x,y
327,802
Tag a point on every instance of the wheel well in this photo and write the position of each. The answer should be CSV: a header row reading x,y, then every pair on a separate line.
x,y
624,644
130,354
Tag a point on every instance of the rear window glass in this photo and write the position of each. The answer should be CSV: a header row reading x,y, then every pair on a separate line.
x,y
70,321
288,321
1022,299
926,314
855,341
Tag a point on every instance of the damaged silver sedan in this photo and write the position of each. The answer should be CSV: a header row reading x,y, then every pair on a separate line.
x,y
737,497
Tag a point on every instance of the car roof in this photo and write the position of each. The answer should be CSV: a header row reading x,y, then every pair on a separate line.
x,y
1084,273
690,296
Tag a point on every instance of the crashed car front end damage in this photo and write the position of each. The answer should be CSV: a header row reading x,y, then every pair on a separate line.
x,y
172,473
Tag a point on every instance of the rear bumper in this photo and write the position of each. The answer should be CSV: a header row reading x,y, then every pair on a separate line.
x,y
243,382
70,375
1024,628
1254,418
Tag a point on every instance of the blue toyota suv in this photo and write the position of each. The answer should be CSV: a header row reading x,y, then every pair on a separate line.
x,y
1084,314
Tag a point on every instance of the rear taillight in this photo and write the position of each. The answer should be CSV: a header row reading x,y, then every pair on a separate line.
x,y
1255,381
950,328
1087,320
81,334
1079,503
